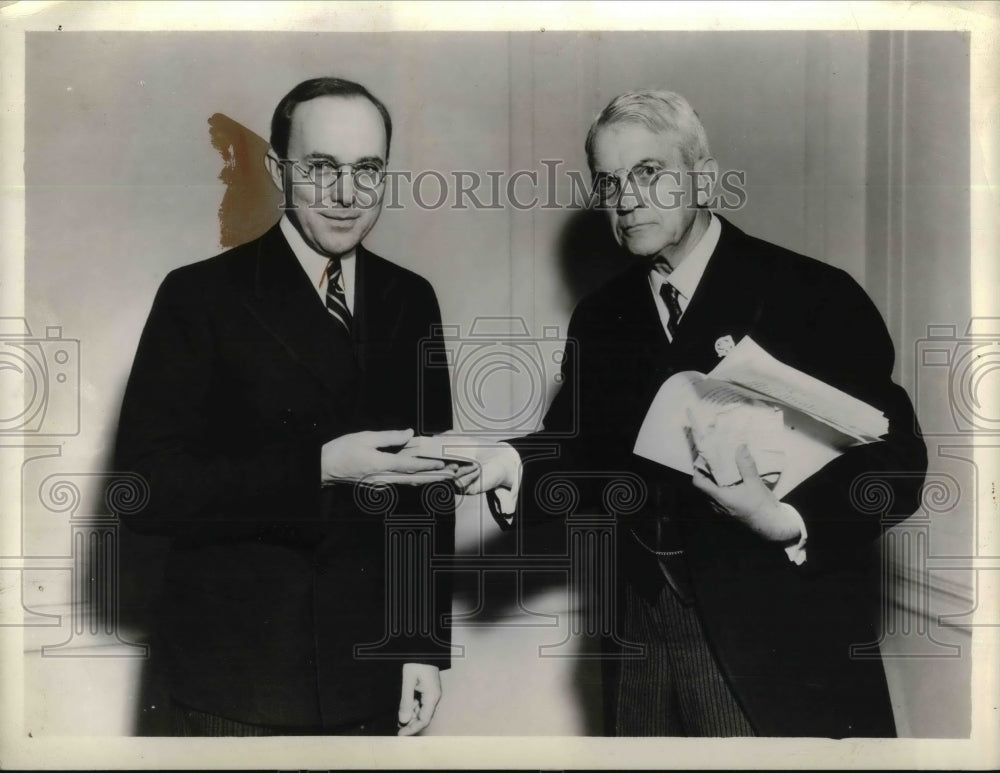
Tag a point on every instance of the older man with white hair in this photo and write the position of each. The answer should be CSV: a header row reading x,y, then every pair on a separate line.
x,y
747,605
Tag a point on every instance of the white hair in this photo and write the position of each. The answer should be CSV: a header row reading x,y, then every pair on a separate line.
x,y
660,111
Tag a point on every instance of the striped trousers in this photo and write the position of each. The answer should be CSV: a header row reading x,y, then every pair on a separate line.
x,y
676,689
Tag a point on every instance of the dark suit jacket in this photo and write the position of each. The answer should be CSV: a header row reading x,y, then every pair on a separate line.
x,y
240,376
781,632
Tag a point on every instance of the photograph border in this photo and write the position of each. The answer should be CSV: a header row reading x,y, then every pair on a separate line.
x,y
981,20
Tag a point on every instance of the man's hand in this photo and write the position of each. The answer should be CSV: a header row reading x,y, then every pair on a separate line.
x,y
751,501
492,464
420,696
358,456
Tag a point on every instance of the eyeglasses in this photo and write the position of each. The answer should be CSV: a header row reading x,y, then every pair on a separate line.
x,y
607,185
324,173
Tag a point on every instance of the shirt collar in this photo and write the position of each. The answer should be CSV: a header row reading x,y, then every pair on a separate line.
x,y
688,274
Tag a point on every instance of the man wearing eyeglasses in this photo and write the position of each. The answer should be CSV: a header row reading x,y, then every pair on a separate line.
x,y
269,382
747,606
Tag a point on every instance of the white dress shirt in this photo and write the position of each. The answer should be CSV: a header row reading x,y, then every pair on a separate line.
x,y
315,263
687,275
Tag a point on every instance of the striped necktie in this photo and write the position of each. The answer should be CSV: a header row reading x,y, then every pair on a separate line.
x,y
336,301
669,294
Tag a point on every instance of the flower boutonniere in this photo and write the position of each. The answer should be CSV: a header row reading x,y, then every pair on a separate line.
x,y
724,345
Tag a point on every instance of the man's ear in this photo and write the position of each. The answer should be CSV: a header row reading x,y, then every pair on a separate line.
x,y
275,168
705,175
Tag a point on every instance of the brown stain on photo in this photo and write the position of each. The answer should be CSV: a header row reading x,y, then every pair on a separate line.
x,y
251,203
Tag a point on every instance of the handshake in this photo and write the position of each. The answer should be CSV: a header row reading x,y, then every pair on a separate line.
x,y
474,465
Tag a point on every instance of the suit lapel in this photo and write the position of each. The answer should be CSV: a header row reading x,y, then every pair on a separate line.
x,y
638,317
727,302
378,303
283,300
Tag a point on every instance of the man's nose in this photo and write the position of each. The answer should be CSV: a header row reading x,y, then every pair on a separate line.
x,y
342,191
628,199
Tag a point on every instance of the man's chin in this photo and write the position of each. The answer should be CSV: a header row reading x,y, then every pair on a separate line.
x,y
340,243
338,246
641,249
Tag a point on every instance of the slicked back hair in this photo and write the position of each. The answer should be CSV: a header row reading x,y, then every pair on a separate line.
x,y
281,121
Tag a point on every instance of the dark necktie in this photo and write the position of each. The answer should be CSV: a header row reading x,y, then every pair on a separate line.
x,y
669,294
336,301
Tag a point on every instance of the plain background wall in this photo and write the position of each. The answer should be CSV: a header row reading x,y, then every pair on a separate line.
x,y
123,185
